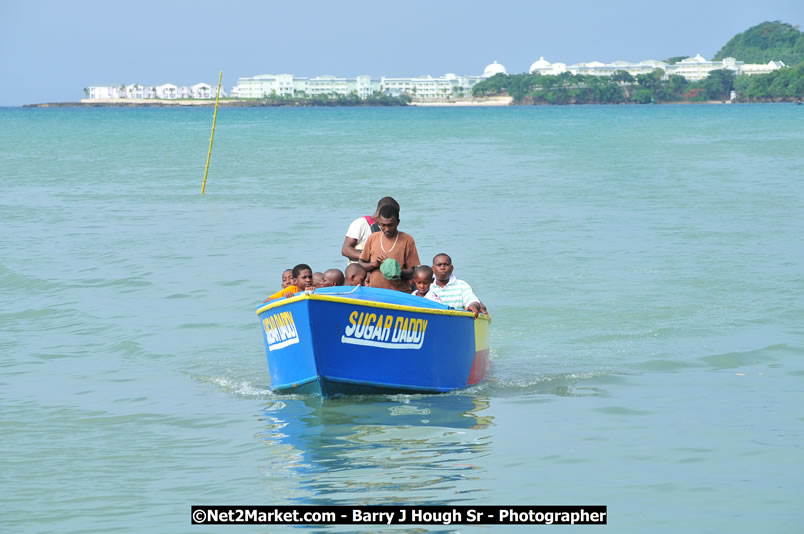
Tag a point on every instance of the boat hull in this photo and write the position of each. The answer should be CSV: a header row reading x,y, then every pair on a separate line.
x,y
371,341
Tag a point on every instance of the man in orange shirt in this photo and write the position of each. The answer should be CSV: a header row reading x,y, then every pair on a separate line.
x,y
387,246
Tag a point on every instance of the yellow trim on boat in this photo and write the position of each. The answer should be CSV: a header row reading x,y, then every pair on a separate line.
x,y
370,304
481,335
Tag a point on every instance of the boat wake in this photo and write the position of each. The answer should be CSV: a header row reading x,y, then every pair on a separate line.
x,y
499,384
509,379
241,388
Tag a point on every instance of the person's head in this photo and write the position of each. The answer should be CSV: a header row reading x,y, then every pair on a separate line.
x,y
442,267
287,278
385,201
303,276
355,275
388,219
422,278
333,277
318,279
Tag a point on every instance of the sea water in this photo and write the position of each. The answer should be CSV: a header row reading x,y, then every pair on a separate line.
x,y
643,265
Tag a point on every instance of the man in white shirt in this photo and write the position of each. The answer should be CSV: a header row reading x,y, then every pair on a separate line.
x,y
360,229
453,292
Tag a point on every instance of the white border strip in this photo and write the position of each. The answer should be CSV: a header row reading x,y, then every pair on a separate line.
x,y
382,344
282,345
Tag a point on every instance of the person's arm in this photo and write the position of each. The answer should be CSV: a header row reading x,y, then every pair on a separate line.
x,y
356,231
373,264
471,302
411,258
348,249
285,292
477,307
365,260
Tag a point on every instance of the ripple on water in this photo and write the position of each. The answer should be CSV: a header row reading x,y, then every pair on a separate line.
x,y
733,360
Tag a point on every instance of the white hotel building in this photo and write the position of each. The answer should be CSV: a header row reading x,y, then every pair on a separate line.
x,y
265,85
419,87
692,68
166,91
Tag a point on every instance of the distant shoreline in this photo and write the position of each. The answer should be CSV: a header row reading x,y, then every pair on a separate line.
x,y
493,101
153,102
134,102
466,102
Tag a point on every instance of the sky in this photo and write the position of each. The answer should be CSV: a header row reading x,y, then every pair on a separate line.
x,y
51,50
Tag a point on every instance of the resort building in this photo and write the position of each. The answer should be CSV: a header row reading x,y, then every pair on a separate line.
x,y
693,68
430,88
102,91
760,68
542,66
166,91
419,87
363,86
265,85
202,90
596,68
494,68
697,68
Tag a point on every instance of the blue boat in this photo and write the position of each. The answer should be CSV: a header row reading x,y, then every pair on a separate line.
x,y
362,340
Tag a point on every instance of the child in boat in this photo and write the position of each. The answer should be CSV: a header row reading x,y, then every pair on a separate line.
x,y
287,278
333,277
318,280
355,275
422,279
302,278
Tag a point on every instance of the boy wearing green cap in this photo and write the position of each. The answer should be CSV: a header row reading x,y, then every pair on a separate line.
x,y
389,255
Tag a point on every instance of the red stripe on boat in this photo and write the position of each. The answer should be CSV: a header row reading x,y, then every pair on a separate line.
x,y
480,367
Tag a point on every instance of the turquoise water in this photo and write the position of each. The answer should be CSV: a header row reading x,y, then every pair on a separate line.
x,y
643,265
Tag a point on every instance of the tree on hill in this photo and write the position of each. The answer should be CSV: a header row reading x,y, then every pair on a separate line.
x,y
785,84
769,41
719,84
675,59
491,86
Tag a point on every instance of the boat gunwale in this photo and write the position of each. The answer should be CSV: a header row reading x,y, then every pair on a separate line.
x,y
370,303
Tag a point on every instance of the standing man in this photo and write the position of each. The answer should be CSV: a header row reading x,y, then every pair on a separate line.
x,y
360,229
389,255
453,292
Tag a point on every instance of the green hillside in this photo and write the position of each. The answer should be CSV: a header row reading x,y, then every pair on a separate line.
x,y
769,41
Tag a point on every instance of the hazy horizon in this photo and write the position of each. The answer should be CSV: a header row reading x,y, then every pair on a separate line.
x,y
50,51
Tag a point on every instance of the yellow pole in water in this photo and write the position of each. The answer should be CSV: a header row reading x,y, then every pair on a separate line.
x,y
212,135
